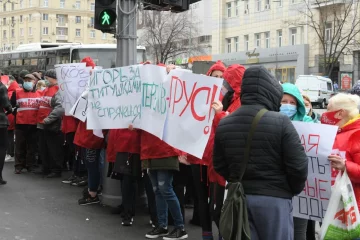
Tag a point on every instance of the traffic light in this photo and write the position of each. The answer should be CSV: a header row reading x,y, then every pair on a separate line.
x,y
105,16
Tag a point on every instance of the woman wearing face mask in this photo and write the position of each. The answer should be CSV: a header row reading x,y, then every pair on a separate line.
x,y
293,106
27,102
41,85
343,112
309,110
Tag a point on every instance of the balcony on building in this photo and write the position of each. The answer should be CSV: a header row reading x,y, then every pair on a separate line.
x,y
62,20
62,37
327,3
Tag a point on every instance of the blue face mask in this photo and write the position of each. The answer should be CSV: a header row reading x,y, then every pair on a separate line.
x,y
28,86
288,110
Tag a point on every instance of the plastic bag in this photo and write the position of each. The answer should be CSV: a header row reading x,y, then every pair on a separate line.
x,y
342,218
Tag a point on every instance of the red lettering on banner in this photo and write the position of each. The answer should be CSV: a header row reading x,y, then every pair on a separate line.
x,y
315,189
346,217
313,141
178,91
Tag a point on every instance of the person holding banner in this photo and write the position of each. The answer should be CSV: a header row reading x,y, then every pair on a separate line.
x,y
49,122
343,112
199,169
27,102
277,166
230,91
5,108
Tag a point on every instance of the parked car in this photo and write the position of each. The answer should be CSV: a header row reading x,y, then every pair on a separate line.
x,y
318,89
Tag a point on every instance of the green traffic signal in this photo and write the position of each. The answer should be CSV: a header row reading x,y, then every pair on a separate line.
x,y
107,17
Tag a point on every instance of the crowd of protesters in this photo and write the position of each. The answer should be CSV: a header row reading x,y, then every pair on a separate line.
x,y
31,113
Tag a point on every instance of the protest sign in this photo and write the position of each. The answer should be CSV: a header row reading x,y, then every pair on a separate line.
x,y
317,141
72,79
190,115
115,98
80,107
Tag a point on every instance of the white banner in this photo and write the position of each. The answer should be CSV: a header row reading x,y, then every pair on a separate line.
x,y
72,79
190,115
79,110
317,141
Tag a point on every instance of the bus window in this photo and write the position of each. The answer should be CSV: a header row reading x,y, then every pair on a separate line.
x,y
42,64
12,62
102,57
6,63
19,62
34,62
26,62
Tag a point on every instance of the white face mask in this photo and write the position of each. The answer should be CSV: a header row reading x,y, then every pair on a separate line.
x,y
307,110
42,88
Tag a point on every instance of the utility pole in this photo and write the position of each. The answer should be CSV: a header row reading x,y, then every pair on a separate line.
x,y
126,33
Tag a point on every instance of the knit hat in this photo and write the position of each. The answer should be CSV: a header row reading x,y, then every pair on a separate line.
x,y
89,62
218,66
37,75
356,88
51,73
23,73
32,77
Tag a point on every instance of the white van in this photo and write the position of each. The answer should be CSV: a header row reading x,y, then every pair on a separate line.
x,y
318,89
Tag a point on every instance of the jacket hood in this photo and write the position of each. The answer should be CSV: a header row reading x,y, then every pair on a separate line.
x,y
234,77
259,87
13,86
218,66
351,125
294,91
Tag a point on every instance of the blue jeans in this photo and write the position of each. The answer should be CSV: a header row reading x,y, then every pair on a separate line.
x,y
165,198
92,159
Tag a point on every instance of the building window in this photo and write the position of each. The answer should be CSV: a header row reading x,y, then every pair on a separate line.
x,y
4,21
61,31
4,34
228,45
30,31
236,41
45,31
4,7
21,32
280,3
92,6
13,21
92,21
279,38
21,4
293,1
257,40
267,39
246,42
228,7
293,33
328,32
12,6
78,19
92,34
258,5
12,33
30,17
30,3
21,18
12,46
46,3
62,3
77,4
45,17
78,32
104,36
237,8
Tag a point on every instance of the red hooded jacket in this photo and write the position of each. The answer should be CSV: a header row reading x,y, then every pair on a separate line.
x,y
86,139
13,86
69,124
348,140
233,75
122,140
208,152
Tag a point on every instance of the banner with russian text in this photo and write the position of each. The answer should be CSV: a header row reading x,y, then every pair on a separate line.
x,y
317,141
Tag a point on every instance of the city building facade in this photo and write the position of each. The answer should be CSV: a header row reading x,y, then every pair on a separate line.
x,y
48,21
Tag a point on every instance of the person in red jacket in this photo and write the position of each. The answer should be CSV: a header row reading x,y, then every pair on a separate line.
x,y
69,126
199,169
231,101
13,86
49,118
27,102
343,112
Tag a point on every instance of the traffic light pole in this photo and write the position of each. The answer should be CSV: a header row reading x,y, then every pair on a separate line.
x,y
125,56
126,33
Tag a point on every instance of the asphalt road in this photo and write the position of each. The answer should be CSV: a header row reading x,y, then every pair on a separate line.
x,y
33,208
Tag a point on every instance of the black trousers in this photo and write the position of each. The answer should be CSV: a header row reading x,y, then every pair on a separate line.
x,y
11,145
202,188
25,146
150,198
70,153
216,201
51,151
3,147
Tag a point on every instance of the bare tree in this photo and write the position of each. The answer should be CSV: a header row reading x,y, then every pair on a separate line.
x,y
171,36
335,23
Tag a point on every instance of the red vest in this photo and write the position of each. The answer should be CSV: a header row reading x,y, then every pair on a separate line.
x,y
45,101
28,103
86,139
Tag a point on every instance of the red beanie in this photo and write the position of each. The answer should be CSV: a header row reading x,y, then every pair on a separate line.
x,y
89,62
218,66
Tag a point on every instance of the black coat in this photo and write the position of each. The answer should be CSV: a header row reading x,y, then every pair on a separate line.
x,y
4,106
278,165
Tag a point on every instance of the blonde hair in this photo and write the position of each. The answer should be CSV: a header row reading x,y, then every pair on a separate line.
x,y
40,83
348,102
306,98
